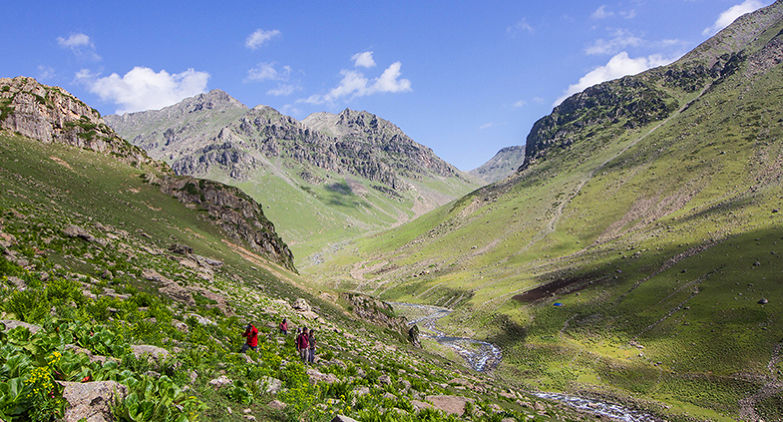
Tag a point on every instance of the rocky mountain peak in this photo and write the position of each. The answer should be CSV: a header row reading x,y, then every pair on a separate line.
x,y
53,115
215,99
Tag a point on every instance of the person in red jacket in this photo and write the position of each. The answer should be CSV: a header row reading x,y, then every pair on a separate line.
x,y
302,344
251,332
284,326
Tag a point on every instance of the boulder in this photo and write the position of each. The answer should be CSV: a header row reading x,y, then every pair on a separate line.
x,y
91,401
76,231
277,405
385,379
156,353
454,405
180,249
220,381
93,358
420,405
10,324
360,391
270,385
200,319
301,305
343,418
169,287
316,376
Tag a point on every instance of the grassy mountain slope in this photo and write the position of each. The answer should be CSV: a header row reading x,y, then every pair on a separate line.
x,y
102,259
648,209
323,183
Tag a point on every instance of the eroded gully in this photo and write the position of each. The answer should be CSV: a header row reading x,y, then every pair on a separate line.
x,y
483,356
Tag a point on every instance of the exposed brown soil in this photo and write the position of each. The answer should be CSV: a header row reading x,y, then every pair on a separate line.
x,y
560,286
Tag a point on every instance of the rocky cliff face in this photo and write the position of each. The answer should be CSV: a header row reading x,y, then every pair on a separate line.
x,y
50,114
215,131
375,311
232,210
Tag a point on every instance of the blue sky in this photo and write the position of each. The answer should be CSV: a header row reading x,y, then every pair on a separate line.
x,y
465,78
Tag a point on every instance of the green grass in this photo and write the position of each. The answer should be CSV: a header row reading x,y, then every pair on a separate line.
x,y
608,216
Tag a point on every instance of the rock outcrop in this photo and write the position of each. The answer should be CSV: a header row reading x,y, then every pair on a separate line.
x,y
91,401
52,115
237,215
376,311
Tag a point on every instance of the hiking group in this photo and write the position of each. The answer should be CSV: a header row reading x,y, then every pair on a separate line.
x,y
305,340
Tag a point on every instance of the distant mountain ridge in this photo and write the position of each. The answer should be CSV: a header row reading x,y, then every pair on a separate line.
x,y
503,164
345,174
214,129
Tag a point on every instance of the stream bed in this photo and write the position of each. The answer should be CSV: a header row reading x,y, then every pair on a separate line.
x,y
483,357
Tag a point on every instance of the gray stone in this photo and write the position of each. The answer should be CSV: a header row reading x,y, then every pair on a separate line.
x,y
10,324
156,353
277,405
301,305
220,381
316,376
271,385
76,231
454,405
91,401
343,418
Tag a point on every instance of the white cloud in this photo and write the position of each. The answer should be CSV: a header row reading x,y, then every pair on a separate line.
x,y
519,27
601,13
355,84
75,40
487,125
283,89
729,15
520,103
628,14
80,44
621,40
618,66
259,37
363,59
143,89
268,72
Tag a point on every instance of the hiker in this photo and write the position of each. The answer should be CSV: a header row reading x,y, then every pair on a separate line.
x,y
251,332
284,327
296,339
311,343
302,343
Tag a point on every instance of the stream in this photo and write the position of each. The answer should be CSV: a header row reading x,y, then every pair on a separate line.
x,y
483,357
480,355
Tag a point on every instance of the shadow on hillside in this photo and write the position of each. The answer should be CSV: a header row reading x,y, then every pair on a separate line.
x,y
510,331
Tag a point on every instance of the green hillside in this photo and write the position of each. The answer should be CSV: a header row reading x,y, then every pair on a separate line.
x,y
648,211
123,294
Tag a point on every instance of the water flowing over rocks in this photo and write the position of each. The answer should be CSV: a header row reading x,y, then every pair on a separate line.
x,y
480,355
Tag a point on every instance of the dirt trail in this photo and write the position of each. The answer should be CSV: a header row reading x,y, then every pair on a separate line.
x,y
773,387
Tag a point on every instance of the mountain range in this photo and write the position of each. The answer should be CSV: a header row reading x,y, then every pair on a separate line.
x,y
125,290
323,180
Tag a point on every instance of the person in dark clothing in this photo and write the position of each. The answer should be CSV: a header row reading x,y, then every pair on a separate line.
x,y
302,343
311,344
251,333
284,327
